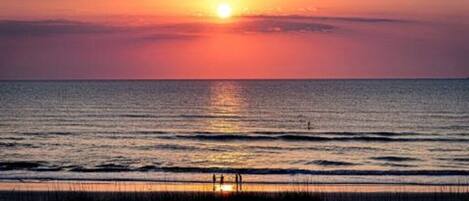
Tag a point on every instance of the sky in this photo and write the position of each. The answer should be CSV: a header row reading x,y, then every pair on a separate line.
x,y
262,39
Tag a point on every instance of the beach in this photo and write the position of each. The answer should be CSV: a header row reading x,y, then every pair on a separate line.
x,y
116,186
147,191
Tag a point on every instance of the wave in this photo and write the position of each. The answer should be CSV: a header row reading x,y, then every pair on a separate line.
x,y
150,132
47,133
139,116
454,127
267,171
448,116
461,159
7,144
330,163
14,144
19,165
258,134
37,166
445,150
461,134
224,137
339,133
177,147
12,138
314,133
211,116
394,158
189,116
102,168
110,167
227,137
464,160
398,165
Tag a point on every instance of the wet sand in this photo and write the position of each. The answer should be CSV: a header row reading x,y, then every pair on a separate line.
x,y
94,186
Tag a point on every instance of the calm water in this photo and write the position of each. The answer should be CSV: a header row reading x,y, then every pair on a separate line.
x,y
362,131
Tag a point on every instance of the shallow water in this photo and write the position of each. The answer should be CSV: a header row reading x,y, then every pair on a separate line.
x,y
361,131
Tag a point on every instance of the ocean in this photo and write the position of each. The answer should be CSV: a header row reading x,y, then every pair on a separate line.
x,y
271,131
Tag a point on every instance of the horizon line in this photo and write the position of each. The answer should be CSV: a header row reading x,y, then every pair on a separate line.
x,y
232,79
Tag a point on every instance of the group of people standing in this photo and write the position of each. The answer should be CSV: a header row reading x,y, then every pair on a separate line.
x,y
238,182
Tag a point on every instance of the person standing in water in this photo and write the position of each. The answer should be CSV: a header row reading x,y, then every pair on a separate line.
x,y
237,182
240,180
214,181
222,182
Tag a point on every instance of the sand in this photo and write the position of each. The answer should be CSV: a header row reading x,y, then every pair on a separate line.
x,y
95,186
161,191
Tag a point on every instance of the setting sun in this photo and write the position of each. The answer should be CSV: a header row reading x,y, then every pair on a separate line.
x,y
224,11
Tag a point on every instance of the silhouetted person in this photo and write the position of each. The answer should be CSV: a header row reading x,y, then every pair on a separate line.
x,y
237,182
240,182
222,181
214,181
309,125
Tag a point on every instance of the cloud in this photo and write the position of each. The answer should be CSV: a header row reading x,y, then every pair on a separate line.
x,y
49,27
183,31
169,36
322,18
249,26
268,26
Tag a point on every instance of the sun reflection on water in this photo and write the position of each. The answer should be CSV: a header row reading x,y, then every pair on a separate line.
x,y
226,104
224,188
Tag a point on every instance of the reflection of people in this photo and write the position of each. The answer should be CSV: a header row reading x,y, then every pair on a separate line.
x,y
214,181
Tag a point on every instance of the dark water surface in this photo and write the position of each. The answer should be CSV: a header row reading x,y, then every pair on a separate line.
x,y
362,131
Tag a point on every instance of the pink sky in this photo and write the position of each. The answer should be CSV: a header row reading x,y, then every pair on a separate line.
x,y
83,39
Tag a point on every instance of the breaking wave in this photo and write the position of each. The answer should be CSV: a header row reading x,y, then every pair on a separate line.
x,y
300,137
110,167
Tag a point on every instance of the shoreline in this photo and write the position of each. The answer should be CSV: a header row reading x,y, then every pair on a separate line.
x,y
138,186
133,191
206,182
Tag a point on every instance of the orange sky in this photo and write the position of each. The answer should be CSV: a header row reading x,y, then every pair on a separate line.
x,y
206,7
152,39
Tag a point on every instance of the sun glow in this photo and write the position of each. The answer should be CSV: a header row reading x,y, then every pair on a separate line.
x,y
224,188
224,11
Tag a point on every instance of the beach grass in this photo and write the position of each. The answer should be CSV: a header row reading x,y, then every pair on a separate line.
x,y
244,196
87,194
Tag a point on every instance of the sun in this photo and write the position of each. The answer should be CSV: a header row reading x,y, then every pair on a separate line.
x,y
224,11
